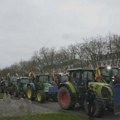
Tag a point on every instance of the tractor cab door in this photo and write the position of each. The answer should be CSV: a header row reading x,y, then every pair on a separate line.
x,y
75,79
87,76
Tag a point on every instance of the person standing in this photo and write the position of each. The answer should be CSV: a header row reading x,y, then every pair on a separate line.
x,y
90,99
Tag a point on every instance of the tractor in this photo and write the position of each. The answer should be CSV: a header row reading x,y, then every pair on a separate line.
x,y
74,90
60,77
110,75
42,88
21,86
11,85
17,86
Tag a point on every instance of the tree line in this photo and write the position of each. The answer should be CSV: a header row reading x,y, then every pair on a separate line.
x,y
84,55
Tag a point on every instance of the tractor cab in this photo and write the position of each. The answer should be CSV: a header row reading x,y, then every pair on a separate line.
x,y
81,77
45,80
74,90
109,73
42,88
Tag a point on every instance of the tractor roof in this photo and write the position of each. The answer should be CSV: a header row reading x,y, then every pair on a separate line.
x,y
43,75
80,69
113,67
22,77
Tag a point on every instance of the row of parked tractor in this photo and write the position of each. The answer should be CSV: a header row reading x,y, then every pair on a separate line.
x,y
68,89
39,88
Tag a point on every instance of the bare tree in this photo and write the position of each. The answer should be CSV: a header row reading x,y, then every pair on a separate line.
x,y
94,50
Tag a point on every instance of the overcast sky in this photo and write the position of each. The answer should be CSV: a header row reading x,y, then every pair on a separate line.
x,y
28,25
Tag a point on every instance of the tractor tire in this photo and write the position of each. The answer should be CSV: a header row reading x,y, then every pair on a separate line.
x,y
15,93
22,94
29,93
3,89
65,98
40,96
98,108
0,89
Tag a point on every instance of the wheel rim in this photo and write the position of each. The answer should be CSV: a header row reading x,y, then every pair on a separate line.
x,y
64,98
29,93
39,97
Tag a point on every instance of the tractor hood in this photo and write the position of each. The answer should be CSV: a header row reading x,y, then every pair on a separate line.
x,y
101,89
98,84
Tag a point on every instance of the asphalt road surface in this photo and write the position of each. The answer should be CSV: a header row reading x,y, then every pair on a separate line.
x,y
23,106
55,107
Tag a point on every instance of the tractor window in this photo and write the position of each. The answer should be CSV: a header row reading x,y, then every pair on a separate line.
x,y
87,75
13,80
45,79
90,76
109,73
78,75
75,77
24,80
106,73
115,72
41,79
84,76
64,78
50,79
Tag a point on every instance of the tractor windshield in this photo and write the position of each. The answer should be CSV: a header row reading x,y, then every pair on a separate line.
x,y
115,72
87,76
45,79
81,77
64,78
13,80
110,73
24,80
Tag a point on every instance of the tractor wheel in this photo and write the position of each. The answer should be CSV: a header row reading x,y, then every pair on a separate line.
x,y
15,92
0,90
29,93
98,108
65,99
40,96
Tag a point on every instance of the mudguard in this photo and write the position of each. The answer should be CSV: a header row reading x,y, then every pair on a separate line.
x,y
32,86
69,86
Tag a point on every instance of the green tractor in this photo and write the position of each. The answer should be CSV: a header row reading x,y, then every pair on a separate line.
x,y
11,85
42,88
74,90
22,86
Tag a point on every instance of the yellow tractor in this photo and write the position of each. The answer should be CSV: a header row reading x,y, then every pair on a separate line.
x,y
74,90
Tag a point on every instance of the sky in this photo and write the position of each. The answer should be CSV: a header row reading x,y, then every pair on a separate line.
x,y
28,25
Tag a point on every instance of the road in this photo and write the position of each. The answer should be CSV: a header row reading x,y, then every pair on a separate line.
x,y
55,107
23,106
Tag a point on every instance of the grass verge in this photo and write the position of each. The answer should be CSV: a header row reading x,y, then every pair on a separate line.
x,y
53,116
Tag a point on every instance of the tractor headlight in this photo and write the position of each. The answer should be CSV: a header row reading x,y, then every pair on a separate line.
x,y
109,68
